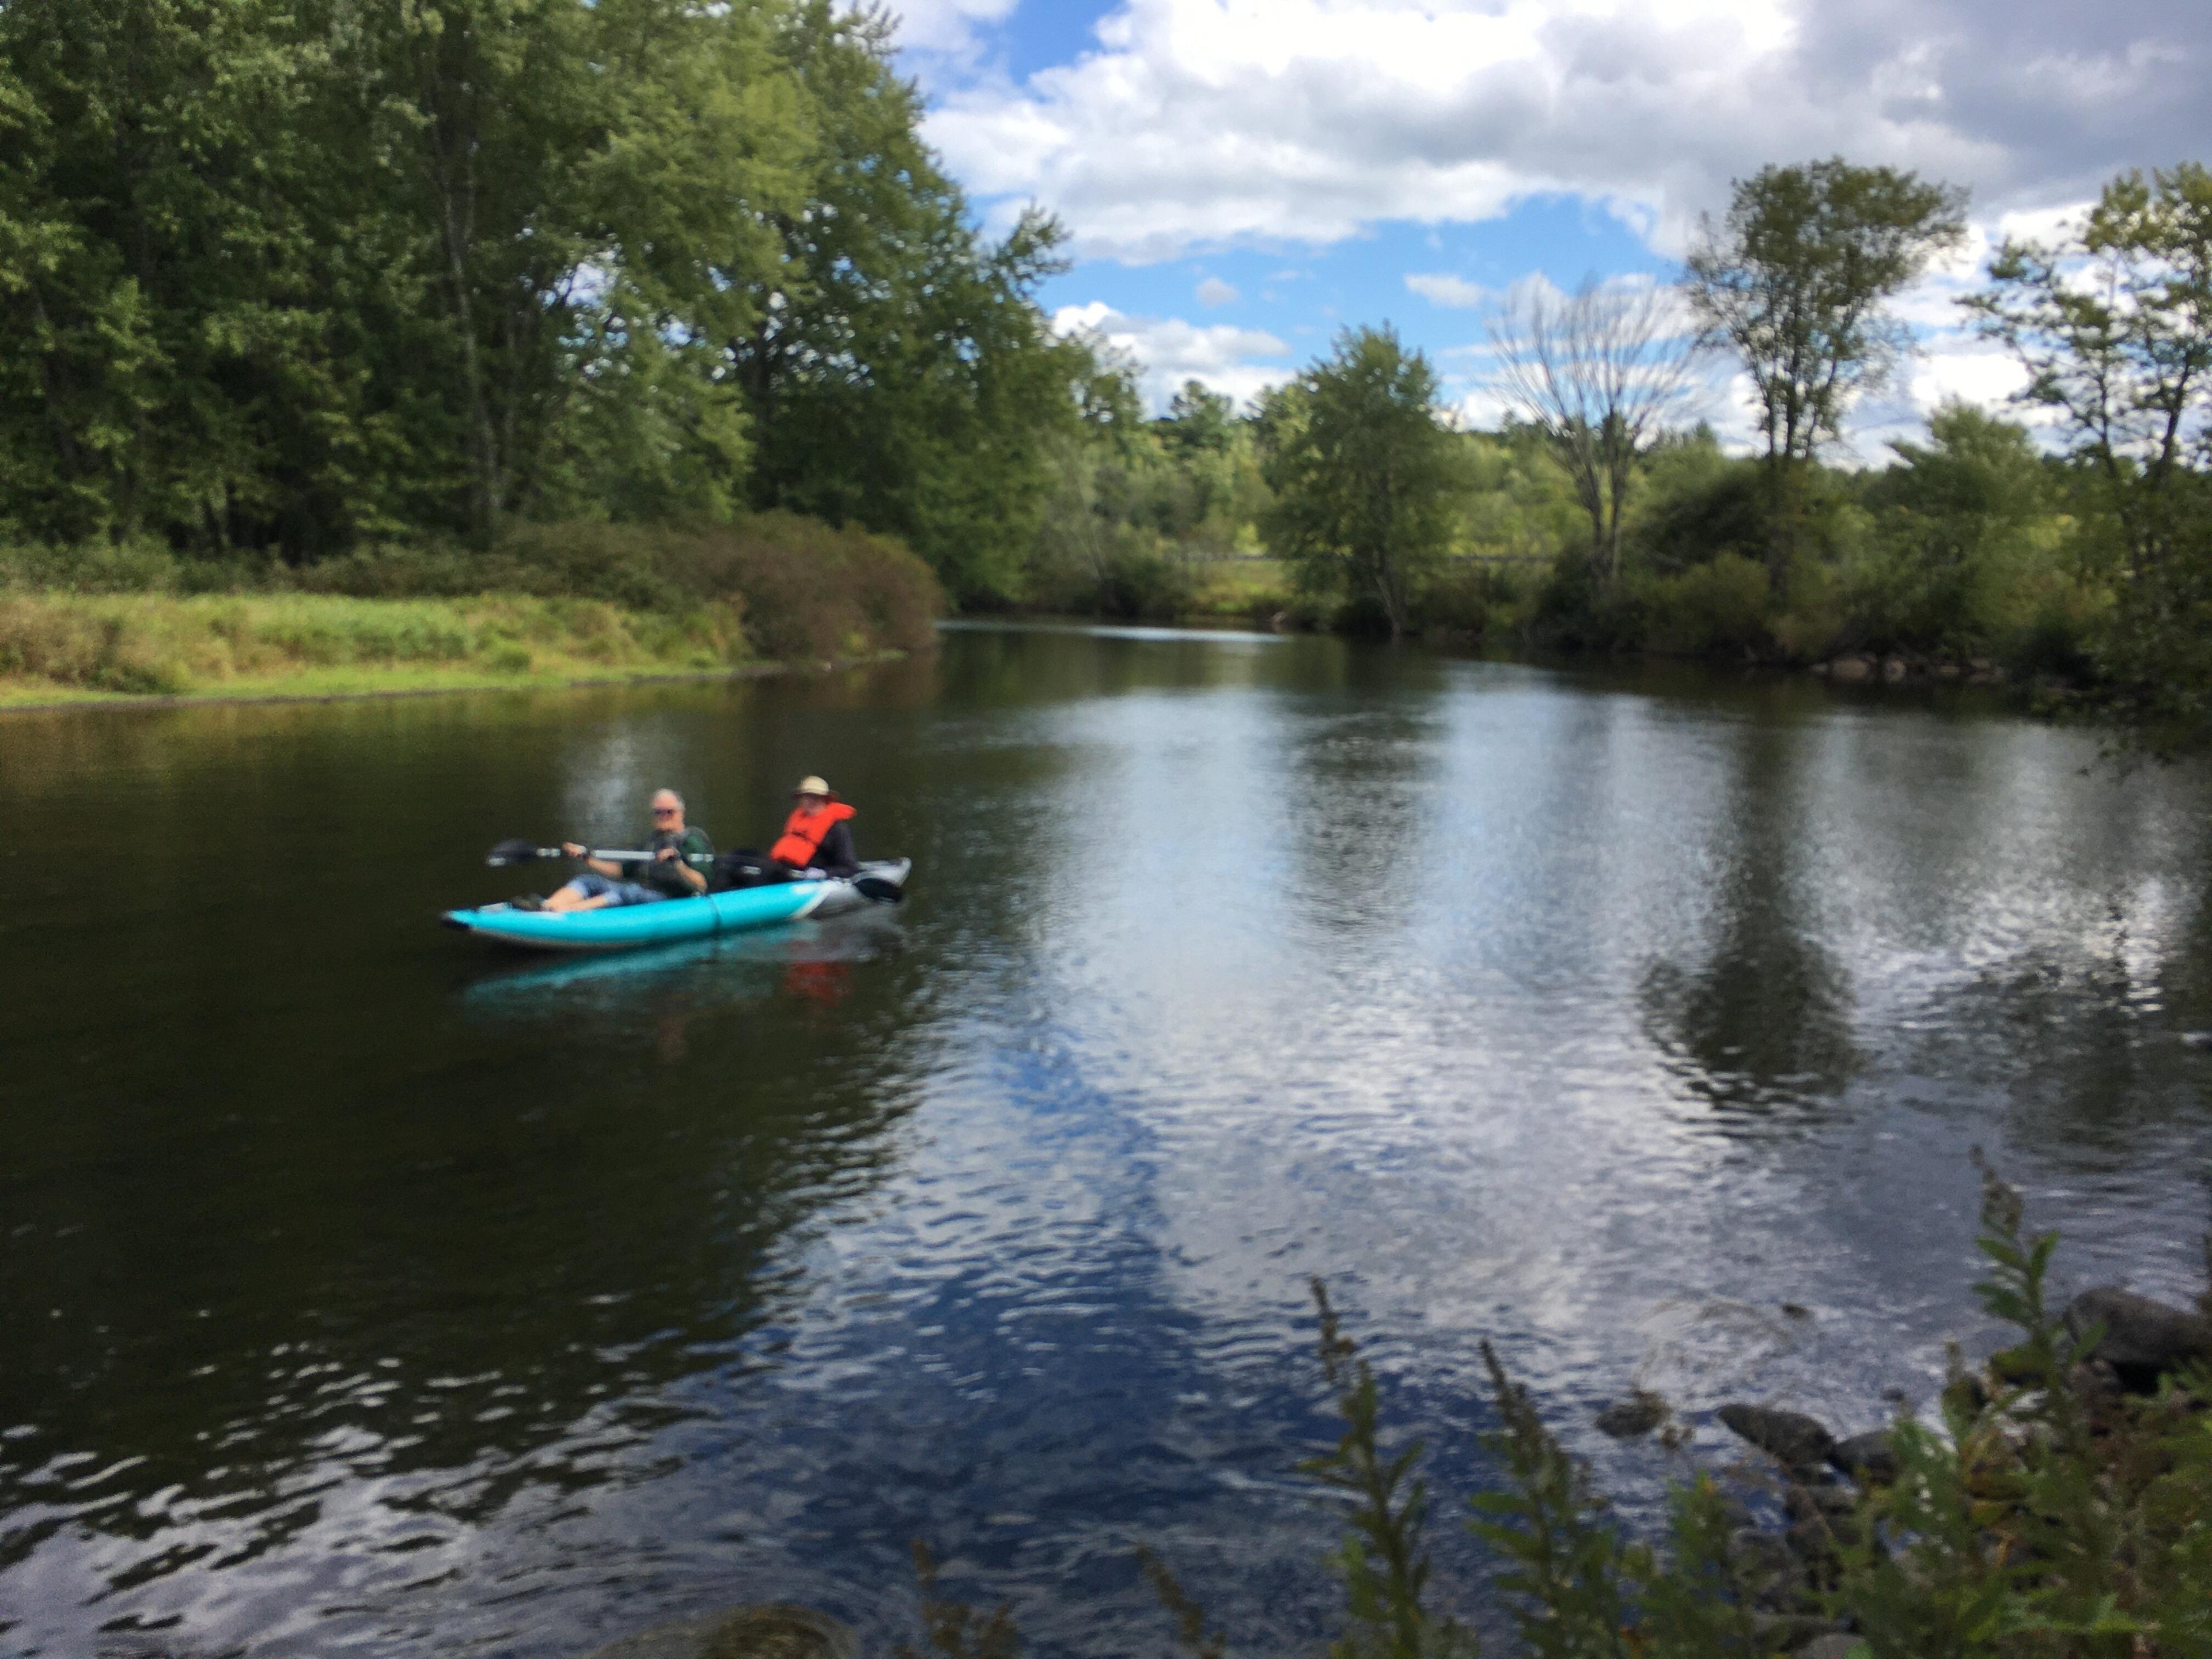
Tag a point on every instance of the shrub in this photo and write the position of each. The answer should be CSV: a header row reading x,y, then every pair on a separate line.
x,y
1715,608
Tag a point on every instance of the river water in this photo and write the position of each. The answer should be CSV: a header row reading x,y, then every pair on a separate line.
x,y
367,1292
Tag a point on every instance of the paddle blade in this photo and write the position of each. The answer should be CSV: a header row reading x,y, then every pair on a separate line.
x,y
876,888
513,852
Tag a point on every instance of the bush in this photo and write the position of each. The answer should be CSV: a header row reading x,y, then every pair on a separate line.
x,y
1472,598
1716,608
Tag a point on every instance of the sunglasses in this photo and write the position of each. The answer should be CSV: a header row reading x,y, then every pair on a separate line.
x,y
666,811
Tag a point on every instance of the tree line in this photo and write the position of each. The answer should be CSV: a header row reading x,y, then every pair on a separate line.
x,y
1611,517
288,277
285,280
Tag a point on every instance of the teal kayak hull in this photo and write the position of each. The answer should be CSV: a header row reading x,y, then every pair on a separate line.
x,y
628,927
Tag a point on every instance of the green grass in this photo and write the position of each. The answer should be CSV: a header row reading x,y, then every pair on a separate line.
x,y
70,647
551,604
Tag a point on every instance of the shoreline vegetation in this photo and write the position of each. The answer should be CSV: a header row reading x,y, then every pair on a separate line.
x,y
557,606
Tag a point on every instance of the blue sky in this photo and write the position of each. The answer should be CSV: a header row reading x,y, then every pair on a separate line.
x,y
1243,177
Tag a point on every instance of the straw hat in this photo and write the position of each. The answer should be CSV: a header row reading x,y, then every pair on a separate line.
x,y
814,787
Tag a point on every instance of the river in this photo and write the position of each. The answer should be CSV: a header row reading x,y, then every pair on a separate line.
x,y
367,1292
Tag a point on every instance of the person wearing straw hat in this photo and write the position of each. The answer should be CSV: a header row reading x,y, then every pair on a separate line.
x,y
816,843
817,836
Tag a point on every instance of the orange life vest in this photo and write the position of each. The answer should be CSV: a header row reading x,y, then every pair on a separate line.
x,y
804,832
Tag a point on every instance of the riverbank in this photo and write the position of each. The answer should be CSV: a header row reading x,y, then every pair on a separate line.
x,y
66,651
552,606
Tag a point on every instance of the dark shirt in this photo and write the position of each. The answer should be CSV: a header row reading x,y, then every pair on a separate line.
x,y
689,844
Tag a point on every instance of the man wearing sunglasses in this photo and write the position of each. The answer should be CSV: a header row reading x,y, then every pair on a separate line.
x,y
676,869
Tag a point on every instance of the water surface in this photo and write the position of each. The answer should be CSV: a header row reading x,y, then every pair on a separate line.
x,y
367,1293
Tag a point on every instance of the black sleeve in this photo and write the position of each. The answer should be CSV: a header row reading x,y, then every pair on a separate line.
x,y
836,854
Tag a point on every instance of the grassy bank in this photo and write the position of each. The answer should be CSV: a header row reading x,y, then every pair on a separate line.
x,y
550,606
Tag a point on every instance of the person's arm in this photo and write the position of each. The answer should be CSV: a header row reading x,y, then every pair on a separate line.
x,y
835,855
607,867
692,878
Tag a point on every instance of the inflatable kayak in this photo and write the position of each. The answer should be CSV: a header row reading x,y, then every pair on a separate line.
x,y
626,926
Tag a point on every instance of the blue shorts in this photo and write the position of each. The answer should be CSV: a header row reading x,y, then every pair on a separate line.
x,y
593,884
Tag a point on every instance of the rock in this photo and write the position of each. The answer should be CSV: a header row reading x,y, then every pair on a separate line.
x,y
1837,1645
1949,670
2144,1339
767,1631
1792,1438
1867,1457
1769,1571
1852,668
1796,1310
1820,668
1818,1502
1895,669
1640,1413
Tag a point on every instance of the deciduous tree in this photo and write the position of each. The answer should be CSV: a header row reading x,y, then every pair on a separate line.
x,y
1797,278
1365,473
1601,374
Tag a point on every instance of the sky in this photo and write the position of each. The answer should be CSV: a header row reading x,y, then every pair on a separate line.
x,y
1241,179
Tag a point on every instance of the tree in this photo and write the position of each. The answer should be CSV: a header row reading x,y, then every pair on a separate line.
x,y
899,371
1600,374
1364,471
2113,322
1797,280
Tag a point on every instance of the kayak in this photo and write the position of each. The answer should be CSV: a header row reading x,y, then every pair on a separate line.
x,y
626,926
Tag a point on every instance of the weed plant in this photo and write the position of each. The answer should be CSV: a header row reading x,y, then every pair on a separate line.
x,y
2043,1514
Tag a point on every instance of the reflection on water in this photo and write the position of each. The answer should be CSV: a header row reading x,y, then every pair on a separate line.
x,y
366,1291
1765,1019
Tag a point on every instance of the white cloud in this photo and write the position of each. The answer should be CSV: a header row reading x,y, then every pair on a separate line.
x,y
947,26
1213,123
1215,292
1440,288
1171,350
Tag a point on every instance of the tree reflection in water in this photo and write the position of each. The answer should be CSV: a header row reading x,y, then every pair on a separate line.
x,y
1765,1019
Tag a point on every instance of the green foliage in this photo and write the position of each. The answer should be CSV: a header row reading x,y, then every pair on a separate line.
x,y
1366,474
1383,1563
954,1630
1796,279
2114,321
290,277
139,618
1566,1565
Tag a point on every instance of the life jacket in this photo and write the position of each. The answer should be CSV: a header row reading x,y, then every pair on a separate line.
x,y
804,832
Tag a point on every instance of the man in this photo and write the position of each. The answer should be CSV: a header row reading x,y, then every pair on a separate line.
x,y
816,842
674,871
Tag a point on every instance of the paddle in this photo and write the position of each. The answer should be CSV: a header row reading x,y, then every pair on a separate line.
x,y
527,852
876,888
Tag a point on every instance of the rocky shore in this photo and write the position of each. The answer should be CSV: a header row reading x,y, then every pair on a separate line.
x,y
2122,1347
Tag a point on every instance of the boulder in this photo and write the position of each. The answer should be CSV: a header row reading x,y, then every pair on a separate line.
x,y
2144,1339
1791,1438
1867,1457
1895,669
1640,1413
1851,668
772,1630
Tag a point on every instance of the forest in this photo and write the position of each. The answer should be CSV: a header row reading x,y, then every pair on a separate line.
x,y
382,302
